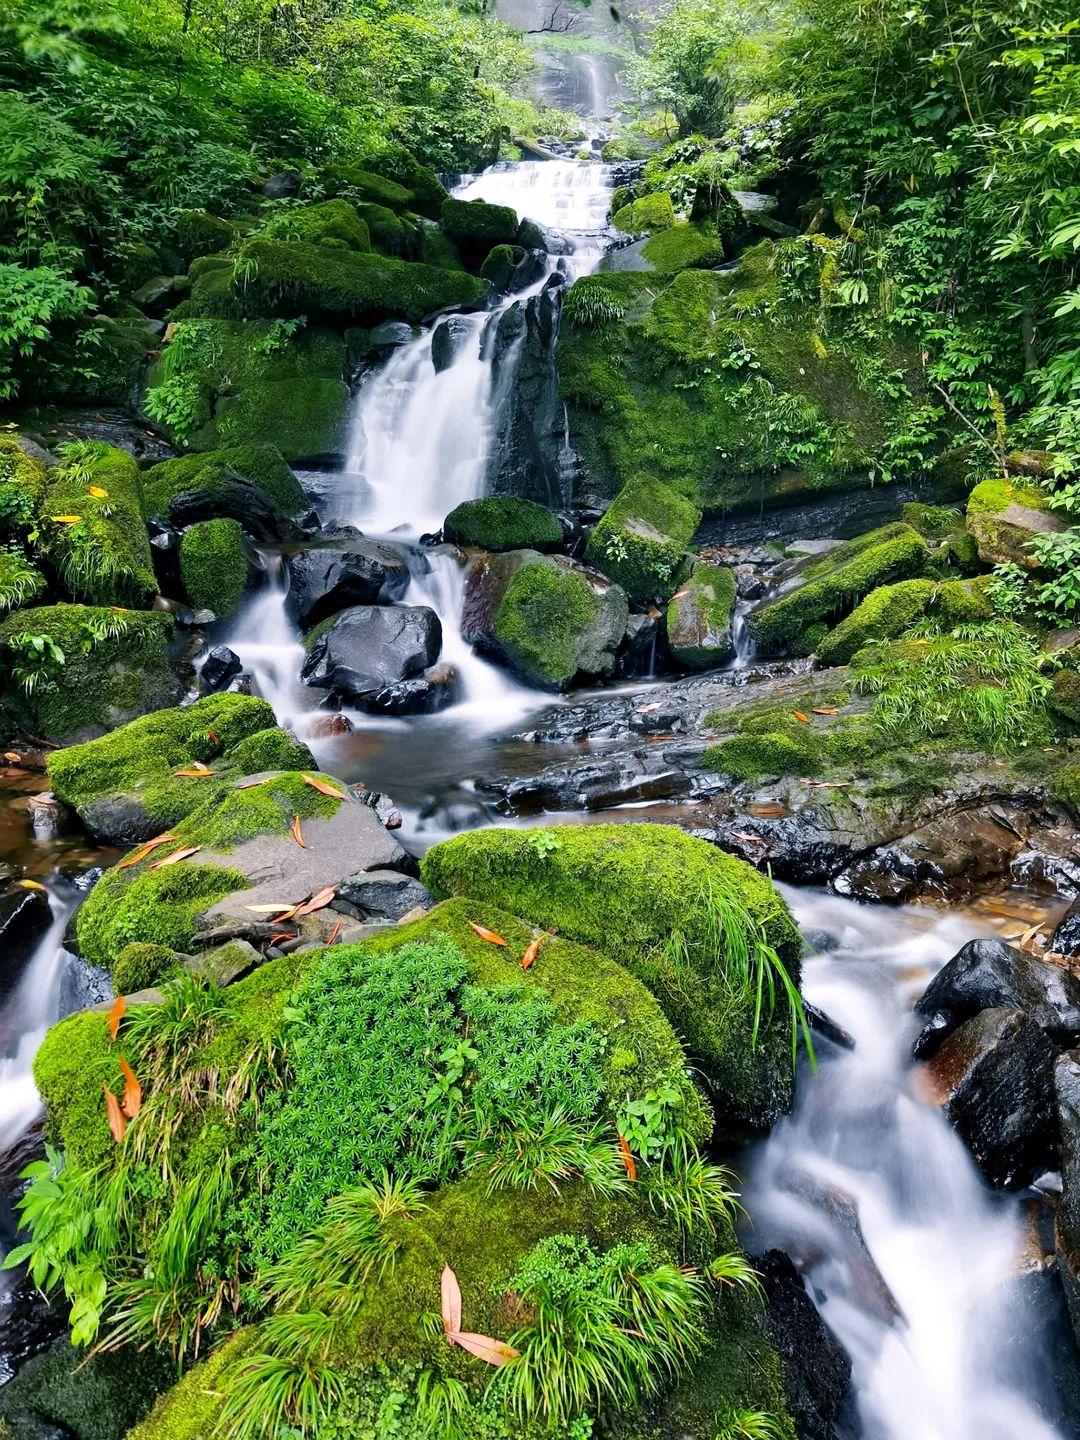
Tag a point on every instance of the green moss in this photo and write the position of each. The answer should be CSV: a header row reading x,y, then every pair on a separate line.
x,y
271,749
991,497
1064,698
476,226
499,264
306,420
104,555
214,566
627,889
390,234
1067,786
114,667
933,522
683,247
139,966
541,620
74,1062
647,214
159,907
190,1410
503,522
750,757
699,617
23,482
393,178
20,582
889,611
297,279
836,584
200,233
225,821
641,539
65,1391
212,473
315,224
139,759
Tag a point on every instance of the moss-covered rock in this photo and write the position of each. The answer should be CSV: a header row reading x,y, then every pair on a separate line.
x,y
200,233
641,539
500,263
64,1391
394,178
20,582
1004,516
23,482
699,618
124,785
646,215
97,537
551,621
307,420
214,566
293,279
392,234
332,220
830,588
693,245
96,668
889,611
1064,698
503,522
75,1060
659,900
475,226
245,482
140,966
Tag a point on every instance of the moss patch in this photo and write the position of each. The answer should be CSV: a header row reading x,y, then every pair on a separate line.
x,y
503,522
333,220
140,966
646,215
641,539
23,482
214,566
159,907
545,623
74,1062
699,617
684,247
103,554
214,475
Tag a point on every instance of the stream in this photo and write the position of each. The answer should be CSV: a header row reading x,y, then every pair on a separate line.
x,y
922,1304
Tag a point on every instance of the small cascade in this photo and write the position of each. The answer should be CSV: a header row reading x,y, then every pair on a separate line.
x,y
268,645
741,638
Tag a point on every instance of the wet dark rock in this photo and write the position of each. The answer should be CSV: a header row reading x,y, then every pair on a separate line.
x,y
49,817
823,1025
525,447
82,986
597,783
1066,938
390,335
817,1368
65,1394
233,498
988,974
323,727
969,845
448,339
1067,1224
644,650
994,1078
328,578
369,647
840,1213
1036,1357
24,918
52,425
422,695
382,894
284,185
220,666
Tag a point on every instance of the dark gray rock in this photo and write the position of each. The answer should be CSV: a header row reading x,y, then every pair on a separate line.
x,y
82,986
644,651
234,498
220,666
422,695
49,817
449,338
367,648
329,577
1066,938
284,185
699,619
994,1078
817,1368
524,459
1067,1222
988,974
382,894
24,918
390,334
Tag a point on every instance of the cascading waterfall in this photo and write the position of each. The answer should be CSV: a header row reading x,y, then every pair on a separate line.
x,y
268,646
927,1341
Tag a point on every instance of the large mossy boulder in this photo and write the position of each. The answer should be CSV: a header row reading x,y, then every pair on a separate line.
x,y
125,786
98,541
245,384
646,215
553,622
890,610
475,227
24,480
341,287
503,522
71,671
1005,516
720,384
690,922
394,179
641,539
699,618
248,483
826,590
332,221
688,246
214,566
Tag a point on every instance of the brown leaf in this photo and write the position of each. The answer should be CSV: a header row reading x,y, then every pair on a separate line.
x,y
297,833
451,1301
488,935
144,850
647,709
531,953
318,901
492,1352
284,935
211,735
804,719
249,784
826,710
653,739
766,809
195,773
132,1101
681,595
627,1156
174,857
277,907
117,1123
322,787
12,755
30,884
334,933
116,1014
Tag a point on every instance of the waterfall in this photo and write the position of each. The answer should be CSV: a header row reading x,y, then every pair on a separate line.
x,y
268,645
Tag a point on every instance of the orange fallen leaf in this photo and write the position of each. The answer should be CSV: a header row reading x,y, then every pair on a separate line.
x,y
65,519
12,755
211,735
322,787
488,935
144,850
492,1352
116,1014
98,492
197,771
681,595
31,885
284,935
531,953
826,709
132,1101
318,901
117,1123
297,833
174,857
627,1156
334,933
805,719
450,1294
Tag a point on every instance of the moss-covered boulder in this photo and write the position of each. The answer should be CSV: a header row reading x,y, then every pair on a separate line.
x,y
394,178
125,787
500,263
889,611
699,618
249,483
646,215
693,245
229,383
64,1391
23,483
293,279
1064,697
690,922
1005,516
70,671
550,620
96,532
214,566
333,221
641,539
503,522
475,226
392,234
828,589
199,233
20,581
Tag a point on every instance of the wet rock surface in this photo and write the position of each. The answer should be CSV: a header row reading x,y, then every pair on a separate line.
x,y
1067,1222
368,648
817,1368
345,571
24,918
